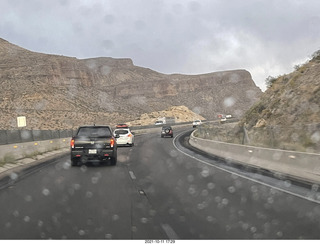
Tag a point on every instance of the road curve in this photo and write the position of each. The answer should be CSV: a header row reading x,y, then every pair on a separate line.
x,y
156,191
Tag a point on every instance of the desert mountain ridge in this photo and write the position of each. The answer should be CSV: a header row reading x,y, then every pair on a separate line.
x,y
58,92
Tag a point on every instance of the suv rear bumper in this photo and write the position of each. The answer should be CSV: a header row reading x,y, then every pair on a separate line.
x,y
100,155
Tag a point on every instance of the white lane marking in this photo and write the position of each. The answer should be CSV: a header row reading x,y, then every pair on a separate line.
x,y
133,177
245,177
170,232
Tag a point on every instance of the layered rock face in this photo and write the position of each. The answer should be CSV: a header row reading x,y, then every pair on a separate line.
x,y
287,116
58,92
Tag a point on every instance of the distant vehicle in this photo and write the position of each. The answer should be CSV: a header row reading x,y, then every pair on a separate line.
x,y
122,126
166,131
195,123
159,122
93,144
228,116
223,120
124,136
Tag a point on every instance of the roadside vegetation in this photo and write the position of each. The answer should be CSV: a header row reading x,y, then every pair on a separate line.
x,y
7,159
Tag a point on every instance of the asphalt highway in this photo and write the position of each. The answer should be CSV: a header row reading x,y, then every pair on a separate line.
x,y
158,190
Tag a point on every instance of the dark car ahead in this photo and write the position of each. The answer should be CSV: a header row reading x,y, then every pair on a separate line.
x,y
93,144
166,131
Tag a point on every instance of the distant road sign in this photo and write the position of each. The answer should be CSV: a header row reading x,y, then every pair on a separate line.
x,y
22,121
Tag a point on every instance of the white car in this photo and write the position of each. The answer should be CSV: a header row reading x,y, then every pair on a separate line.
x,y
124,136
223,120
196,123
159,122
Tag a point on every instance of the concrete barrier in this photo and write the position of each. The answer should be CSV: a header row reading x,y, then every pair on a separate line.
x,y
29,149
303,166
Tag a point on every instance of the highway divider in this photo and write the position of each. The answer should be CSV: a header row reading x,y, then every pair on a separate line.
x,y
12,152
299,165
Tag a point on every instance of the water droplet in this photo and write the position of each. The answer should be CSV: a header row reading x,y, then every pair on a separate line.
x,y
82,232
244,226
315,187
66,165
279,233
173,153
254,189
270,200
144,220
89,194
315,137
253,229
83,168
190,178
201,206
134,229
229,102
26,219
225,201
115,217
205,173
287,183
211,186
45,192
192,190
94,180
13,176
16,213
210,218
217,199
204,193
76,186
28,198
231,189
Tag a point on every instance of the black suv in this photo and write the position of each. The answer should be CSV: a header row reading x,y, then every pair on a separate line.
x,y
93,144
166,131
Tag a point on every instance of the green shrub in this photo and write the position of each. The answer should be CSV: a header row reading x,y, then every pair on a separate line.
x,y
270,80
8,158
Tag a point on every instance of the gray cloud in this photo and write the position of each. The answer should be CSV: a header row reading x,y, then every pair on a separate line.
x,y
266,37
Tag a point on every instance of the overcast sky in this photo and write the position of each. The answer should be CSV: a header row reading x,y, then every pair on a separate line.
x,y
266,37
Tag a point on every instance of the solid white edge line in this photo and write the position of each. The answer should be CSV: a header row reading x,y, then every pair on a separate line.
x,y
242,176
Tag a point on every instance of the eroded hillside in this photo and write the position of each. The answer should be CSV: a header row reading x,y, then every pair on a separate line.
x,y
58,92
287,116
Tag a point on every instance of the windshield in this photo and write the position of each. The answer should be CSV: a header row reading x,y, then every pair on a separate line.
x,y
94,132
160,121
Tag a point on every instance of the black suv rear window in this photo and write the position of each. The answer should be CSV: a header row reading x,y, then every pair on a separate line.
x,y
94,132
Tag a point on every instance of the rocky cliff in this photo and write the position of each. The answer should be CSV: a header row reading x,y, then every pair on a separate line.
x,y
57,92
287,116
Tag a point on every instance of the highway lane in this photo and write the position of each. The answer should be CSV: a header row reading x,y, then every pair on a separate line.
x,y
200,201
154,192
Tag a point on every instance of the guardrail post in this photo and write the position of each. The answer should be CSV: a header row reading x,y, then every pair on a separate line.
x,y
246,139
